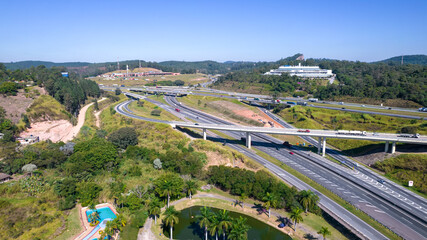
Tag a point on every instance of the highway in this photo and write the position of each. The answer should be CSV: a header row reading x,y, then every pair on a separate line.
x,y
404,218
370,109
364,230
367,202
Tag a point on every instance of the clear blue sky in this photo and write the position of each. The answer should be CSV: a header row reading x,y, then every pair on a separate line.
x,y
98,31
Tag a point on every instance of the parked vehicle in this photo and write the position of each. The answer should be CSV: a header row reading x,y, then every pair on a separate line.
x,y
313,99
423,109
292,153
176,109
256,98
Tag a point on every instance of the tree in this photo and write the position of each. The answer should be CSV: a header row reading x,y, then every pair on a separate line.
x,y
26,120
171,218
214,226
224,222
296,216
270,200
239,229
29,168
118,91
191,187
95,105
169,184
324,231
308,199
154,209
124,137
157,164
205,219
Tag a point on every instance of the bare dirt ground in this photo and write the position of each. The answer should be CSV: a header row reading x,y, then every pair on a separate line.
x,y
247,113
16,105
52,130
61,130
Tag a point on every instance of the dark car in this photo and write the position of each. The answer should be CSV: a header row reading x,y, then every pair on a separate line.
x,y
342,108
196,124
381,181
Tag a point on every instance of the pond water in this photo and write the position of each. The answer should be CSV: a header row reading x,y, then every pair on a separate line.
x,y
188,227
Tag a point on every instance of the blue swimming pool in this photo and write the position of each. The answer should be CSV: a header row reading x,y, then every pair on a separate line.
x,y
104,213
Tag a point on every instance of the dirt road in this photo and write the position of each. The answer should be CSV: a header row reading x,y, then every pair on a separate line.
x,y
60,130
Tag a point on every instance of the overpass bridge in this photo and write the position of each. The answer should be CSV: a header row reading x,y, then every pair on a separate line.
x,y
320,134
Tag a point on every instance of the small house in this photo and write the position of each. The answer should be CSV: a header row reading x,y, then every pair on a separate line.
x,y
4,177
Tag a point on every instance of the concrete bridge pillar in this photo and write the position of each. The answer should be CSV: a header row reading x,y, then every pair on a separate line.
x,y
393,147
319,146
324,146
248,140
386,147
204,133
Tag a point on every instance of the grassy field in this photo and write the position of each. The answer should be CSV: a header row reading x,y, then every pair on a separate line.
x,y
189,79
148,107
73,225
417,114
204,103
314,118
47,108
407,167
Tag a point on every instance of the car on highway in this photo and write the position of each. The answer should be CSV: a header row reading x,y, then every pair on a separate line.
x,y
292,153
381,181
304,130
342,108
196,124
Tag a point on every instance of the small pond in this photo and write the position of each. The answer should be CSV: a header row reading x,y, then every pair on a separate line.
x,y
188,227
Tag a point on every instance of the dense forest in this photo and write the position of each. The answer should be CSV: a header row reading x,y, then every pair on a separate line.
x,y
356,79
71,91
407,59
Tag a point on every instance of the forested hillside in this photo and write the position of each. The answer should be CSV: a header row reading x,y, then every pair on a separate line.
x,y
407,59
356,79
70,91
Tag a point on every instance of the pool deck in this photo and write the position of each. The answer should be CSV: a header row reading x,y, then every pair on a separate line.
x,y
85,222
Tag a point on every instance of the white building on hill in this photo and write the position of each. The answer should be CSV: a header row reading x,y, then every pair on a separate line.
x,y
302,71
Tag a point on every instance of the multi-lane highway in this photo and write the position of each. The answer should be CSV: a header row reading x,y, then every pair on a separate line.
x,y
348,184
370,109
362,229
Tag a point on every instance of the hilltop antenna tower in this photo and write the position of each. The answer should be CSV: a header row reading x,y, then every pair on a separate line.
x,y
127,70
139,63
118,64
401,61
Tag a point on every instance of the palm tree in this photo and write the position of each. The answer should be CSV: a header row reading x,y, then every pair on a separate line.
x,y
308,198
171,218
239,229
191,187
270,201
224,222
324,231
296,216
205,219
214,226
108,230
154,209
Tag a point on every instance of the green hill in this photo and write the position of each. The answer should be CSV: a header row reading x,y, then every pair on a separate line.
x,y
407,59
28,64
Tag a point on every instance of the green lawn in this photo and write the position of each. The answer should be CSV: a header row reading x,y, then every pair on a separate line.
x,y
73,225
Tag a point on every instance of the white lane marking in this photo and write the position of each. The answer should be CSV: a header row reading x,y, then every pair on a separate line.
x,y
347,192
370,206
340,189
379,211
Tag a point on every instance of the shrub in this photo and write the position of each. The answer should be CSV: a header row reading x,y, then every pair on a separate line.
x,y
124,137
156,112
